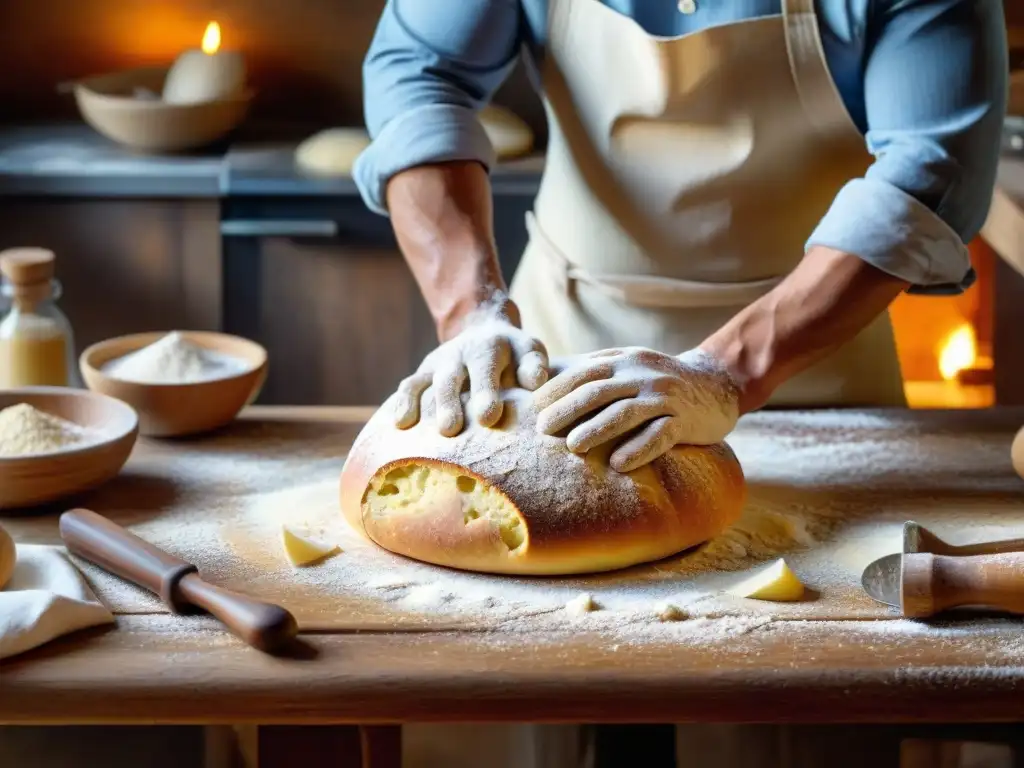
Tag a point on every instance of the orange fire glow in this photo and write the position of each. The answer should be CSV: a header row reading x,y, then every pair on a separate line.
x,y
958,351
211,38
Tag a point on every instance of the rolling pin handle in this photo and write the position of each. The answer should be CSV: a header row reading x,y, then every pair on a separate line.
x,y
932,584
108,545
93,537
262,625
169,592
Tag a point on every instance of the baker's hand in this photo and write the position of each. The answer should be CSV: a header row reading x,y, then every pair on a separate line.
x,y
490,342
648,400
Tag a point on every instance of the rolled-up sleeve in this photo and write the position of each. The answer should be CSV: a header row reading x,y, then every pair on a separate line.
x,y
935,81
432,64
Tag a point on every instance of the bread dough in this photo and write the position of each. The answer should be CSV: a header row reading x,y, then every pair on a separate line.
x,y
196,77
302,550
8,556
777,583
332,152
509,134
510,500
1017,453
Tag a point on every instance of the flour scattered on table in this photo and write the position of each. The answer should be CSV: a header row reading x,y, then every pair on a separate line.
x,y
828,491
25,431
174,360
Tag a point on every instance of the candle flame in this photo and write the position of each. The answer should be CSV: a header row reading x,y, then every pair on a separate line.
x,y
211,38
959,351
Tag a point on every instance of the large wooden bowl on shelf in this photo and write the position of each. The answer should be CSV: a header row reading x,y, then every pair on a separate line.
x,y
108,103
29,480
176,410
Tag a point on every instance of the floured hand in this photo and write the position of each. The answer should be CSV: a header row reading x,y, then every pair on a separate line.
x,y
488,345
648,400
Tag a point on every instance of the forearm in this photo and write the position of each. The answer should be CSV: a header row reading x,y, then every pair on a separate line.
x,y
443,219
826,301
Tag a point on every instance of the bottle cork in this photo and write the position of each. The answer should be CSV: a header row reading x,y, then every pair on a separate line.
x,y
27,266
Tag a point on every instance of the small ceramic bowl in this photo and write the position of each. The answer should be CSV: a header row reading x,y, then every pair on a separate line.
x,y
176,410
29,480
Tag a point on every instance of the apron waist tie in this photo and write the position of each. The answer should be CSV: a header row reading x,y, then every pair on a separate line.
x,y
650,291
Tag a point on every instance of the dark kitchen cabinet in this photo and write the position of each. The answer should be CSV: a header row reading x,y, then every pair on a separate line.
x,y
339,313
317,280
320,282
126,265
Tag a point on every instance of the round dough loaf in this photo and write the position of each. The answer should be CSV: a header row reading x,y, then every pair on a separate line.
x,y
510,500
332,152
509,134
1017,452
8,555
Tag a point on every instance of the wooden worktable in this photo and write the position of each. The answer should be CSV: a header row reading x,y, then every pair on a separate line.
x,y
157,668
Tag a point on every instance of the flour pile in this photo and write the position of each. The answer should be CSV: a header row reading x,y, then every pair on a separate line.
x,y
25,431
174,360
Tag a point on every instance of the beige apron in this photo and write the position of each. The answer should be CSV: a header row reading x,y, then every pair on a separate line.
x,y
683,177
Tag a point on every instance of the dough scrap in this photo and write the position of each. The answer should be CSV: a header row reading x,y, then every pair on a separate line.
x,y
581,605
671,612
303,550
777,583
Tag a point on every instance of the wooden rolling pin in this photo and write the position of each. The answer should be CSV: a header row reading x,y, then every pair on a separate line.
x,y
96,539
935,583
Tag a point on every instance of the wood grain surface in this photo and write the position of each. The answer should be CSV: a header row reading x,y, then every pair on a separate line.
x,y
153,670
159,668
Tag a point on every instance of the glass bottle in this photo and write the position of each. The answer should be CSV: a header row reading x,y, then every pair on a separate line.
x,y
36,342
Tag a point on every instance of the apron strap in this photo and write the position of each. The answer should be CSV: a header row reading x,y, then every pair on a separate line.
x,y
817,90
648,291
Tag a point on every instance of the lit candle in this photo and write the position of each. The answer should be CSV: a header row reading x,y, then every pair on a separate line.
x,y
205,74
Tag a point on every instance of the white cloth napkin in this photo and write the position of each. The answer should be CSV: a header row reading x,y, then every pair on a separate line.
x,y
46,597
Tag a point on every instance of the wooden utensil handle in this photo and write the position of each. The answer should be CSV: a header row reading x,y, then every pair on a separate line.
x,y
108,545
936,583
990,547
263,625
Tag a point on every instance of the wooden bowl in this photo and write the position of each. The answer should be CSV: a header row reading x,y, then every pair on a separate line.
x,y
175,410
29,480
107,104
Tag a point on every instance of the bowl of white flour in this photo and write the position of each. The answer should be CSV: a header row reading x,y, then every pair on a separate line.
x,y
181,382
56,442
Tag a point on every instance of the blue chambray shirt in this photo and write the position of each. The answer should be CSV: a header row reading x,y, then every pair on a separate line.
x,y
924,80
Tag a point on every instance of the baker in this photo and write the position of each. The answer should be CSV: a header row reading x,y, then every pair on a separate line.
x,y
734,193
746,183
